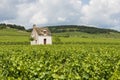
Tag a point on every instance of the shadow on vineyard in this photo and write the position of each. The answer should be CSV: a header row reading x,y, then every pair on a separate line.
x,y
62,43
14,43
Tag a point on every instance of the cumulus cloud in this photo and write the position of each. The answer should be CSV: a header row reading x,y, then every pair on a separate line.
x,y
48,12
7,10
101,13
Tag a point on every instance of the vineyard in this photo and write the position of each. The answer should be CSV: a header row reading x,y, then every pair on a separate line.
x,y
73,56
67,62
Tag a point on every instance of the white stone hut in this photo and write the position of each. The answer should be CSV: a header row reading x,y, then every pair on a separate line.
x,y
40,35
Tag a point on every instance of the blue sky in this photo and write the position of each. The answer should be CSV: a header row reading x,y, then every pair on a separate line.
x,y
85,1
98,13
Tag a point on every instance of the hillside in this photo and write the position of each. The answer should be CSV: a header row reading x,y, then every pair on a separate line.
x,y
76,28
82,31
13,35
64,28
12,32
64,34
4,26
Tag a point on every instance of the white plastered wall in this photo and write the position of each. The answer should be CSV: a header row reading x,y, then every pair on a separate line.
x,y
41,39
35,36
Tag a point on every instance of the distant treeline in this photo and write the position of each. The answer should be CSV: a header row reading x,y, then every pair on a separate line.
x,y
75,28
63,28
4,26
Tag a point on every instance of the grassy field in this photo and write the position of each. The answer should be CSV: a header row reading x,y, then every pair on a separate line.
x,y
87,35
13,35
72,56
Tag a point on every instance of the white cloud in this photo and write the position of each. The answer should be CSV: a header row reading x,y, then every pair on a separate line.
x,y
38,19
101,13
7,10
49,12
61,19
